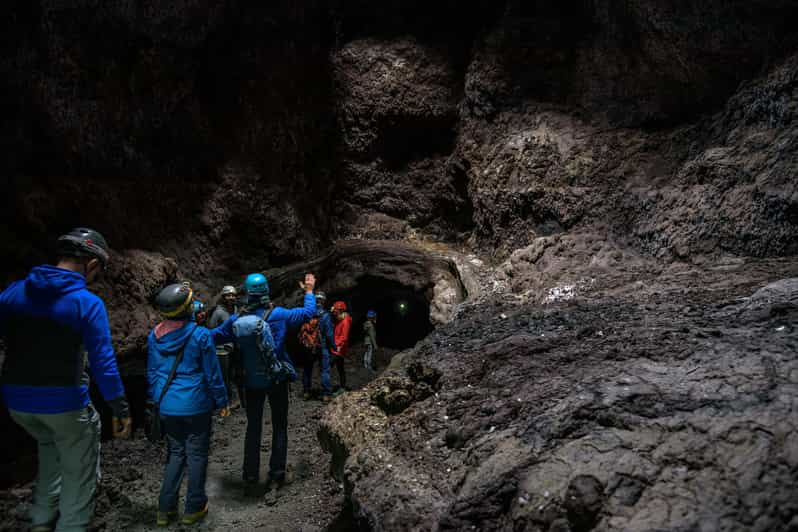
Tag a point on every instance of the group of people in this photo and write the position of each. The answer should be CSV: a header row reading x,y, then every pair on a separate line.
x,y
55,330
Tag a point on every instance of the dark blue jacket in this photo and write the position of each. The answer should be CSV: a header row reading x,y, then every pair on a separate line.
x,y
198,386
327,330
280,320
47,321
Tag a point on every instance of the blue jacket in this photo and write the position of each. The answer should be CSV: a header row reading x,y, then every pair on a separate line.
x,y
47,321
327,330
198,386
280,320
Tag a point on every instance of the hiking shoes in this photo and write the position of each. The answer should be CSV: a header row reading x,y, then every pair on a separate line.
x,y
164,518
196,517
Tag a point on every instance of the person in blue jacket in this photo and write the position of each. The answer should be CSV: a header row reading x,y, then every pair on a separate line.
x,y
317,338
46,322
267,371
187,405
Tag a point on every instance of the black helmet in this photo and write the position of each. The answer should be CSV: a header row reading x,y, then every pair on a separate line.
x,y
175,301
84,242
321,297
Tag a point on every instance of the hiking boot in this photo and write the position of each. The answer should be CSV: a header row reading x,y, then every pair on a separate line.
x,y
196,517
326,398
164,518
338,392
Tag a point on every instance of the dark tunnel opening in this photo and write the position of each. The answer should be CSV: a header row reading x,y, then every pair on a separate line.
x,y
402,312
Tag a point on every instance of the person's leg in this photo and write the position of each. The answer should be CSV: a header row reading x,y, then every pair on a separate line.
x,y
339,363
77,438
198,440
326,388
255,400
174,428
278,403
48,481
367,356
224,365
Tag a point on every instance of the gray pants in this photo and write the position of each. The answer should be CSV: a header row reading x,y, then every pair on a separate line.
x,y
69,466
368,357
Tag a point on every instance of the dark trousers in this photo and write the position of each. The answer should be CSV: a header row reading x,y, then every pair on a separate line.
x,y
339,365
322,356
188,439
224,365
278,403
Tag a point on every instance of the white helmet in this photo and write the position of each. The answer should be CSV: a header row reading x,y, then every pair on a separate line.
x,y
229,290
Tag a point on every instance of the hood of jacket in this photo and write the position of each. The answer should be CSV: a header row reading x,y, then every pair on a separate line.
x,y
50,282
171,343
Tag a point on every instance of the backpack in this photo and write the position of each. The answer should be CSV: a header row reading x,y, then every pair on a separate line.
x,y
309,334
254,335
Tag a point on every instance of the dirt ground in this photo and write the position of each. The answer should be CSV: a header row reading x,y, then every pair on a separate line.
x,y
132,472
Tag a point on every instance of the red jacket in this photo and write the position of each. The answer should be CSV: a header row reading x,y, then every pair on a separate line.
x,y
342,335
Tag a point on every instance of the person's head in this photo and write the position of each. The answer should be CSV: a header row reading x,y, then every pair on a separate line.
x,y
84,251
321,299
229,296
175,301
200,313
339,309
257,289
371,315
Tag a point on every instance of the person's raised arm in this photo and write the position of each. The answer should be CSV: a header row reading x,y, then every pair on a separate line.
x,y
297,316
223,334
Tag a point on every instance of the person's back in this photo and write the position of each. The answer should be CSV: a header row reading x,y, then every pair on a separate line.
x,y
197,386
259,333
46,322
181,348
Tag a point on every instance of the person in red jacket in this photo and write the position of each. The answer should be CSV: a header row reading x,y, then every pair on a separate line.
x,y
343,322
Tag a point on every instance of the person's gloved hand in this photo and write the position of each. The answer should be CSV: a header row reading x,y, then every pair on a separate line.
x,y
224,412
121,422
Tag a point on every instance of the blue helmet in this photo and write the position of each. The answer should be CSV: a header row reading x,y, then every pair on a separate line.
x,y
256,285
199,306
371,314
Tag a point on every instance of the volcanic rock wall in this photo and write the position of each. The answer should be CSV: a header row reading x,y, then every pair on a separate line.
x,y
210,138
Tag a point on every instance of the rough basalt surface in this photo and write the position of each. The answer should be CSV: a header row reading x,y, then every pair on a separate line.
x,y
662,404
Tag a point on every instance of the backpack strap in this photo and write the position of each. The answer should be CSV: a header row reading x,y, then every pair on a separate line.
x,y
173,371
259,328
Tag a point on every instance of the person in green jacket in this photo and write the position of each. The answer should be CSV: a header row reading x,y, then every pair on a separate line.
x,y
370,330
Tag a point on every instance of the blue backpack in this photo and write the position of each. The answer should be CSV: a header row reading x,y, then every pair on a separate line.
x,y
262,368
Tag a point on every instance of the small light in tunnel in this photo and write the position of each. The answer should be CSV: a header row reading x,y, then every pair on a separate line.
x,y
402,306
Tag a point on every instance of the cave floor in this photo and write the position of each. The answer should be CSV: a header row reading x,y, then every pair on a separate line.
x,y
132,472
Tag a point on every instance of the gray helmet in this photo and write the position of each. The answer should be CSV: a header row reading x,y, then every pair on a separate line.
x,y
321,297
229,290
175,300
84,242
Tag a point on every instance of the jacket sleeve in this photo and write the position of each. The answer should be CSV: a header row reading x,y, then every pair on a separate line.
x,y
297,316
152,374
328,332
223,334
213,373
96,334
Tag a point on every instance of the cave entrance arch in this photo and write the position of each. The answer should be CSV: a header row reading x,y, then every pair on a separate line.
x,y
403,312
